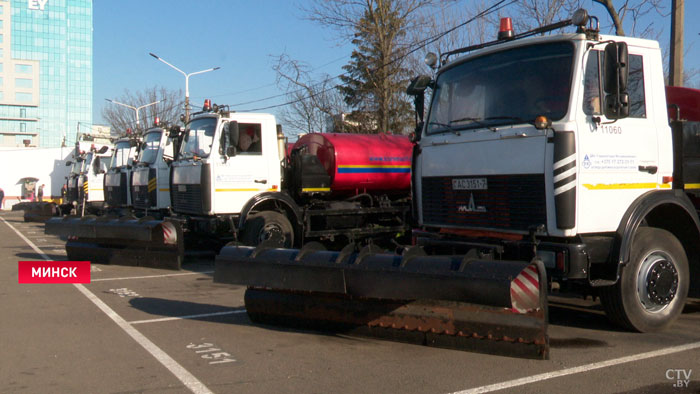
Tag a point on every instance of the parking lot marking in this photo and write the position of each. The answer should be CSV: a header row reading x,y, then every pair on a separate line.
x,y
583,368
187,317
152,276
189,380
124,292
215,354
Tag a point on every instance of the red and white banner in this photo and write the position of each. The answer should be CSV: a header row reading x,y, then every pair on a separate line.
x,y
54,272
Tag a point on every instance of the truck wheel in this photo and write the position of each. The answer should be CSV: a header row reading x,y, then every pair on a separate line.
x,y
653,286
263,225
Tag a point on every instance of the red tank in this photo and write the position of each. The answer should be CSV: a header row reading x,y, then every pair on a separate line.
x,y
362,162
688,101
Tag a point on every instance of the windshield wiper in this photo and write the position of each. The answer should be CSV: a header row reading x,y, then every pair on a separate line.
x,y
474,120
506,117
445,125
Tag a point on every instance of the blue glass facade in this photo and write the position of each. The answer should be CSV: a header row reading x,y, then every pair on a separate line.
x,y
45,71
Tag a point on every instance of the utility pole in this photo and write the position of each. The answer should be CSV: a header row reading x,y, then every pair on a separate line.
x,y
675,64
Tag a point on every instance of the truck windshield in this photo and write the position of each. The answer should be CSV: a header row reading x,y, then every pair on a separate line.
x,y
199,138
88,161
149,150
120,157
76,167
508,87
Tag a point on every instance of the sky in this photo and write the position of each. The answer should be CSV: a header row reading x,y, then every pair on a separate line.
x,y
242,37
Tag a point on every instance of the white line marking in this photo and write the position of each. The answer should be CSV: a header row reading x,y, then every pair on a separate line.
x,y
188,317
168,362
583,368
152,276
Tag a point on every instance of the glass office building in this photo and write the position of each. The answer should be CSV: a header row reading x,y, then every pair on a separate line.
x,y
45,71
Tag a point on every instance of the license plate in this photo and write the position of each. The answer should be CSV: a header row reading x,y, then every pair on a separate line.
x,y
469,184
181,188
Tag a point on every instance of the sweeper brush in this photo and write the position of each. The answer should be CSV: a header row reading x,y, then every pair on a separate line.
x,y
496,307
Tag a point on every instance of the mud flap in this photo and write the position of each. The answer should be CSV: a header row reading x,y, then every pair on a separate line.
x,y
144,242
496,307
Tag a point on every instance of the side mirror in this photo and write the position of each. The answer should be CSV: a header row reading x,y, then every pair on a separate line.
x,y
104,149
69,163
417,89
174,131
418,85
133,143
229,138
615,78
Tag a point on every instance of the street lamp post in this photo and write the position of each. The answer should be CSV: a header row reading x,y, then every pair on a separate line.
x,y
187,82
136,109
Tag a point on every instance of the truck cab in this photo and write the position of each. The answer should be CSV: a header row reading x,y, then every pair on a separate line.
x,y
91,179
150,186
117,180
561,144
225,159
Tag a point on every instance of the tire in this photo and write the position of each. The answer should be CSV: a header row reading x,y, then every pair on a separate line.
x,y
264,225
653,286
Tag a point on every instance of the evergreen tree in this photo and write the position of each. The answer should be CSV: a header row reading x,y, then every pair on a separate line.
x,y
376,77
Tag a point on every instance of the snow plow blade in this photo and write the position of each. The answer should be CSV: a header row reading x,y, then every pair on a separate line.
x,y
144,242
495,307
39,211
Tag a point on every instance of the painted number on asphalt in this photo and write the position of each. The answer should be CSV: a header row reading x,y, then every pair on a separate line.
x,y
210,352
124,292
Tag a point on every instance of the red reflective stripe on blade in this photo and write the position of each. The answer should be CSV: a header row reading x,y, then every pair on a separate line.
x,y
524,290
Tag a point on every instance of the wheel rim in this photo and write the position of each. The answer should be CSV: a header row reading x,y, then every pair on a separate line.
x,y
657,281
269,230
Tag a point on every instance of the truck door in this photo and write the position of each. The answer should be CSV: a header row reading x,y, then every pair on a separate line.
x,y
246,174
619,159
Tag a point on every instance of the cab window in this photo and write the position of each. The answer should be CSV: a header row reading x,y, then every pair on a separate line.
x,y
592,89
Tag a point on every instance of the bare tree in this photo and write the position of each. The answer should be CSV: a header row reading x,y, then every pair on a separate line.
x,y
313,102
635,10
168,110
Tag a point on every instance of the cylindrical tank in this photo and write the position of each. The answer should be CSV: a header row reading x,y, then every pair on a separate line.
x,y
362,162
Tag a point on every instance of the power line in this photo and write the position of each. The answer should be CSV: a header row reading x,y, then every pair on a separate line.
x,y
497,6
271,84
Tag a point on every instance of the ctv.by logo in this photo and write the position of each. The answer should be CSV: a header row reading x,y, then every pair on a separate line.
x,y
680,376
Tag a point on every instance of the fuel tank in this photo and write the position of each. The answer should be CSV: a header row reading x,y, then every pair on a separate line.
x,y
362,163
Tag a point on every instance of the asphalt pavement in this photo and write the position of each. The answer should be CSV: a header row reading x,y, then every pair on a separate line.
x,y
142,330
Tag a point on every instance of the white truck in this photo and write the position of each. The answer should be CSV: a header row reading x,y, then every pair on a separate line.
x,y
235,180
553,152
150,185
91,180
117,181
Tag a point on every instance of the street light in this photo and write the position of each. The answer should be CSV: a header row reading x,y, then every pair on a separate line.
x,y
135,108
187,82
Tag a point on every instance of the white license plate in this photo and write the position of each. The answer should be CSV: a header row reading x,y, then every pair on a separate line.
x,y
469,184
181,188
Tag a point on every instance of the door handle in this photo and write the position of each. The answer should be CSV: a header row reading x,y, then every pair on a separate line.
x,y
263,181
650,169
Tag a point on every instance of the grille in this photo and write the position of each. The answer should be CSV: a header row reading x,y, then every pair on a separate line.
x,y
115,196
189,200
72,194
140,197
511,202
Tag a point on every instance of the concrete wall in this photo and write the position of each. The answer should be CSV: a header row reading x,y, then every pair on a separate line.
x,y
48,165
